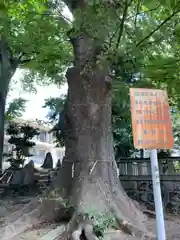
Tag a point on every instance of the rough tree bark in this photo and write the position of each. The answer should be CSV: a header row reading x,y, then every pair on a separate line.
x,y
65,174
96,185
8,66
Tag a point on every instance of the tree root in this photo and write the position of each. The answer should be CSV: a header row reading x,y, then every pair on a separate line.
x,y
84,232
81,227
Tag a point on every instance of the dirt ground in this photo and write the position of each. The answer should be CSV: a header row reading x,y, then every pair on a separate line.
x,y
172,230
172,224
12,209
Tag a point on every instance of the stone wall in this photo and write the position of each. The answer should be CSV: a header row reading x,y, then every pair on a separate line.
x,y
135,176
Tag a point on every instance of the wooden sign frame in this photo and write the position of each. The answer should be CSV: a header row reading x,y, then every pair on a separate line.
x,y
151,120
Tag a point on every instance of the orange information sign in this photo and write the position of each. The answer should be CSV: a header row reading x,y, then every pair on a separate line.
x,y
151,120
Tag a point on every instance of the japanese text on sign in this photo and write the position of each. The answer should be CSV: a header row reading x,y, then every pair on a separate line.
x,y
151,121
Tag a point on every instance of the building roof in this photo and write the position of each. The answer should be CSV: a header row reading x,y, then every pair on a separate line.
x,y
32,124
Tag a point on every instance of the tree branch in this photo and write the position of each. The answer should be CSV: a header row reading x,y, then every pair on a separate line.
x,y
73,4
22,58
122,24
157,28
9,62
26,61
57,15
111,38
137,13
144,12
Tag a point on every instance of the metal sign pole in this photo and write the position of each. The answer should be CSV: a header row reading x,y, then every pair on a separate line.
x,y
160,227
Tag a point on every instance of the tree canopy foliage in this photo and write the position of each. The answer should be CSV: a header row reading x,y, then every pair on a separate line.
x,y
37,39
15,108
140,39
55,106
21,140
139,43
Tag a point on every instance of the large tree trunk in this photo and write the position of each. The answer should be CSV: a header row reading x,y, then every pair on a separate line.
x,y
96,186
8,66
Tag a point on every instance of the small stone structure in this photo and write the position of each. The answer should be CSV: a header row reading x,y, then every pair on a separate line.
x,y
25,180
48,161
58,165
135,176
28,174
